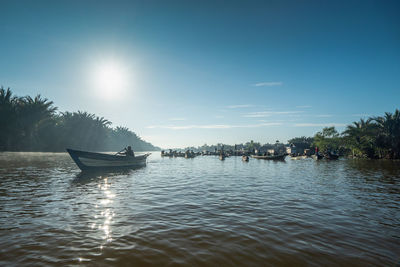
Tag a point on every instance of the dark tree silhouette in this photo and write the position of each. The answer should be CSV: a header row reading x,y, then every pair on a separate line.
x,y
33,124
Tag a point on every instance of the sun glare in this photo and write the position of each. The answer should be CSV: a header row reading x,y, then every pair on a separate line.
x,y
110,80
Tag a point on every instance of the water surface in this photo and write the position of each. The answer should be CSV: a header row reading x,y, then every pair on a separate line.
x,y
200,211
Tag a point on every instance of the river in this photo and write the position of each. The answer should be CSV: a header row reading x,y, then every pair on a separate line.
x,y
199,211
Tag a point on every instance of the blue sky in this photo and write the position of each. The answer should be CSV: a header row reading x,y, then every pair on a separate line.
x,y
194,72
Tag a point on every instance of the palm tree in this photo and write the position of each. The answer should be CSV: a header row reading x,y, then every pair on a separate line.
x,y
83,130
7,117
360,137
6,97
28,124
389,133
122,136
34,114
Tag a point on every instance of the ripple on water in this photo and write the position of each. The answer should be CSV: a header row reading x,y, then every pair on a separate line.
x,y
200,211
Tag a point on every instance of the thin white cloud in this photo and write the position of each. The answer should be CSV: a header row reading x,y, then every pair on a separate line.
x,y
361,115
275,120
212,126
263,114
305,106
240,106
268,84
177,119
256,115
324,115
319,124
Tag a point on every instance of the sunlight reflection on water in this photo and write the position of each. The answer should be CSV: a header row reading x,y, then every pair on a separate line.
x,y
106,213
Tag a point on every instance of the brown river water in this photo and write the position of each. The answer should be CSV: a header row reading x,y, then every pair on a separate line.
x,y
199,212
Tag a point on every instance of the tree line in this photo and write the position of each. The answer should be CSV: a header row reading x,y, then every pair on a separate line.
x,y
34,124
376,138
249,147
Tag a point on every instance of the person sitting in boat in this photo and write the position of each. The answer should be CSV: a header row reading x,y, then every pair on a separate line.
x,y
129,152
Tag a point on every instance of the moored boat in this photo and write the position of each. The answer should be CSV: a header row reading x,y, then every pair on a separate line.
x,y
94,161
331,156
189,155
298,157
167,154
317,156
270,157
179,155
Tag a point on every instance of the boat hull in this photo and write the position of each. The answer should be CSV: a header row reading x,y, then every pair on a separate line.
x,y
332,156
317,157
274,157
298,157
95,161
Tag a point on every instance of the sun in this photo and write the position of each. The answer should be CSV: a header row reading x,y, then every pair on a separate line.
x,y
110,80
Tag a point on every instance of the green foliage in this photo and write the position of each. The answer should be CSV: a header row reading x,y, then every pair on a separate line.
x,y
8,116
388,135
377,137
360,138
32,124
327,139
302,142
82,130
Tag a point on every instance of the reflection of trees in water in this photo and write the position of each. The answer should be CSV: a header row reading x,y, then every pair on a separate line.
x,y
32,124
386,171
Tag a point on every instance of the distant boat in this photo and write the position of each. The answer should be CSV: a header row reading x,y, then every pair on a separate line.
x,y
166,154
271,157
245,158
222,156
189,155
94,161
331,156
298,157
317,156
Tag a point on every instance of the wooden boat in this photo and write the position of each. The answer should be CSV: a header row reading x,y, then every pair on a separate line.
x,y
166,154
189,155
317,156
94,161
331,156
270,157
298,157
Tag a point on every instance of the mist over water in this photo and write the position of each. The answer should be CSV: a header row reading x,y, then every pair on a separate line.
x,y
199,211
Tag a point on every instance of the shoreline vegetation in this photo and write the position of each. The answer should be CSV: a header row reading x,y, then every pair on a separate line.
x,y
373,138
34,125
